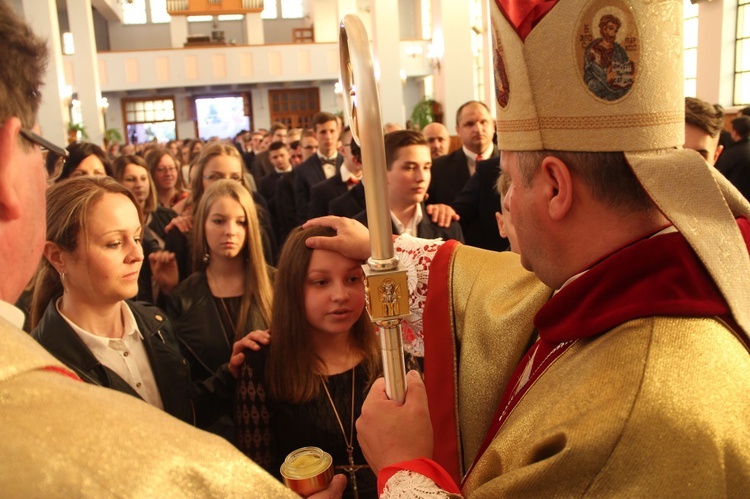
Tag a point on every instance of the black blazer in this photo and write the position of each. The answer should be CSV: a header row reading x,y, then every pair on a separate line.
x,y
348,204
734,163
426,229
170,368
261,166
323,193
307,174
286,211
449,175
477,203
203,341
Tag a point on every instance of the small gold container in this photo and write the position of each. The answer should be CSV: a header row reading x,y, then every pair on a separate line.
x,y
307,470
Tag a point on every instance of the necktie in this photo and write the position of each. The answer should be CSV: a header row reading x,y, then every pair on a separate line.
x,y
352,181
479,158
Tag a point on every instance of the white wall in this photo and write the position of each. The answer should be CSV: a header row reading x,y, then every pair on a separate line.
x,y
280,30
139,36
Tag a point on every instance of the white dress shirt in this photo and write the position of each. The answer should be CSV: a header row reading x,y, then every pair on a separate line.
x,y
328,170
126,356
471,158
411,226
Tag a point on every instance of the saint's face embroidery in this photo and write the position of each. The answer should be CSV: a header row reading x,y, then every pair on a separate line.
x,y
502,89
608,49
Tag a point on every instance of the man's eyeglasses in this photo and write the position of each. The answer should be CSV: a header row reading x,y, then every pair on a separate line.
x,y
42,142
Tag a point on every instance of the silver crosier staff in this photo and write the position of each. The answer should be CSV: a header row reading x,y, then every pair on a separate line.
x,y
386,288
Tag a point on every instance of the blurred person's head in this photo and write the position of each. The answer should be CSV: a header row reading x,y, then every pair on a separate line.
x,y
85,158
438,138
218,161
278,155
132,172
309,145
475,126
703,125
326,129
295,151
165,170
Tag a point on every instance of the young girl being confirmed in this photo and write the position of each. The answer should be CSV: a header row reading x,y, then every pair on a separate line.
x,y
318,369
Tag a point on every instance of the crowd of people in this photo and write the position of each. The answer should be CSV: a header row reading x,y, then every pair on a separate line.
x,y
574,329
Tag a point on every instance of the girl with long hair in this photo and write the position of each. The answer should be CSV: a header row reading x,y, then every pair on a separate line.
x,y
227,296
217,161
308,386
132,172
81,312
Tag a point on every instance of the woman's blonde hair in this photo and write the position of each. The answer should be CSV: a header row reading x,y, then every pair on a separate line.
x,y
69,206
258,289
208,153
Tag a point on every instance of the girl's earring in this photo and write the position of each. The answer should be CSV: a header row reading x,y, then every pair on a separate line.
x,y
206,257
62,281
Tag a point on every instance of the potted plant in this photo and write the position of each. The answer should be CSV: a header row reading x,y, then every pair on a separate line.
x,y
425,112
74,129
112,135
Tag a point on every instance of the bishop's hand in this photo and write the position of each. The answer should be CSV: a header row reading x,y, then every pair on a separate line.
x,y
390,432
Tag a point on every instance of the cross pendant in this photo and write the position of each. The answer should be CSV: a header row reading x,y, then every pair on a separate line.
x,y
352,471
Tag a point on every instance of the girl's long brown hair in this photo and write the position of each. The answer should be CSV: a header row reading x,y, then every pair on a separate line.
x,y
258,289
293,371
69,206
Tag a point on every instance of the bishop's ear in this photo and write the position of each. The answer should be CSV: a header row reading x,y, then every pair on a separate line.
x,y
558,187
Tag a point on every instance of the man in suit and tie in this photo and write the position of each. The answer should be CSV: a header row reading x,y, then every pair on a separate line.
x,y
262,165
320,166
279,156
408,161
350,175
475,127
352,201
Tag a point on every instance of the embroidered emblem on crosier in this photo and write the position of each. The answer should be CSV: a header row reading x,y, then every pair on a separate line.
x,y
607,49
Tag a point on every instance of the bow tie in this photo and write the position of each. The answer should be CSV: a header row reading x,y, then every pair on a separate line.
x,y
352,181
328,161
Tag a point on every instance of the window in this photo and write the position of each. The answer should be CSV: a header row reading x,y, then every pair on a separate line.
x,y
230,17
292,9
200,19
690,44
742,55
67,39
222,117
269,10
426,19
159,12
146,120
134,12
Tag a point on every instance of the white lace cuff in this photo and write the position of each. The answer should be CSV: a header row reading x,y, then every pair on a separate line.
x,y
407,484
416,254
